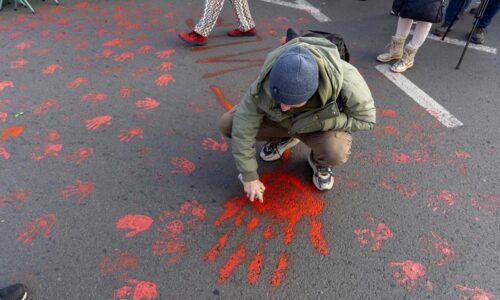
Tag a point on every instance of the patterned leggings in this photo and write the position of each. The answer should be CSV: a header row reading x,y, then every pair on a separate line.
x,y
212,11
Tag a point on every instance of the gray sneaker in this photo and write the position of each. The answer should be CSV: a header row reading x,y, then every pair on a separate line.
x,y
274,151
323,176
478,35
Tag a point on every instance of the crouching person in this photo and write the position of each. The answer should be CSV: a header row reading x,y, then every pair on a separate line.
x,y
304,93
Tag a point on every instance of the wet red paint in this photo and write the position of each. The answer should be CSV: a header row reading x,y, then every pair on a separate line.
x,y
477,293
411,273
96,122
211,144
405,188
118,262
434,243
135,223
10,132
44,225
16,197
220,97
279,271
147,103
3,117
183,165
82,189
442,202
379,234
486,202
137,290
79,155
287,201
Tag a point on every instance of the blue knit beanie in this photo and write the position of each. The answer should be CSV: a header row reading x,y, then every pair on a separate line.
x,y
294,77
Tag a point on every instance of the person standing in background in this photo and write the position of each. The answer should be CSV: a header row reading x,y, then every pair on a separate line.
x,y
199,36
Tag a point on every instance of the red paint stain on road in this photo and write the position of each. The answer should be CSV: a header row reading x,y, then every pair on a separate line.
x,y
234,260
183,165
94,97
166,66
436,244
82,189
45,106
389,113
147,103
76,82
16,197
11,131
48,149
18,63
120,261
394,183
411,273
486,202
164,80
51,69
79,155
442,202
126,135
220,97
44,225
379,234
96,122
125,91
477,293
4,152
211,144
124,56
137,290
165,53
135,223
279,271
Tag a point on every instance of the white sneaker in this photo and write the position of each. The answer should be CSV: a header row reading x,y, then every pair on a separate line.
x,y
323,176
273,151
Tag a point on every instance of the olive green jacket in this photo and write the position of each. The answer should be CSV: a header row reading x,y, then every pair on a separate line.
x,y
340,86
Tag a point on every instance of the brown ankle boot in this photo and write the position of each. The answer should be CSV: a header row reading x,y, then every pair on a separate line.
x,y
406,61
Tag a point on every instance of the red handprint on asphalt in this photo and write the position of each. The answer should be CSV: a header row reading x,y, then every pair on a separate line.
x,y
166,66
79,155
477,293
33,228
137,290
82,188
136,223
211,144
6,84
127,135
442,202
147,103
165,53
45,106
76,82
24,45
125,91
436,244
48,149
94,97
411,272
94,123
4,152
394,183
164,79
104,53
287,201
118,262
184,166
18,63
124,56
379,234
17,196
145,49
51,69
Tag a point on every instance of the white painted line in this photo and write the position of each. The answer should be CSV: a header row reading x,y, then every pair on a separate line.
x,y
302,5
456,42
419,96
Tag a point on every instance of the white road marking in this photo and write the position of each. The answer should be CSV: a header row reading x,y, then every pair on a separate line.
x,y
461,43
302,5
419,96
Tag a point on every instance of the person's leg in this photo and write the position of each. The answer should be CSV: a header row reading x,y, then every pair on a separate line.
x,y
397,42
489,13
453,9
245,20
419,35
403,29
211,12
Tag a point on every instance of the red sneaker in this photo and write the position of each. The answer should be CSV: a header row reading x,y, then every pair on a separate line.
x,y
193,38
237,32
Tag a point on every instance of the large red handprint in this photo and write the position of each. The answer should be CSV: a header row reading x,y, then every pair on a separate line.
x,y
136,223
138,290
82,188
287,201
33,228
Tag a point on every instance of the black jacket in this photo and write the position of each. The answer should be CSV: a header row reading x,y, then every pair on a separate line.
x,y
420,10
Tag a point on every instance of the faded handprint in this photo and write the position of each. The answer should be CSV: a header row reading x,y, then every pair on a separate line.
x,y
136,223
147,103
288,202
82,189
4,152
51,69
436,244
165,53
411,272
145,49
79,155
33,228
394,183
211,144
94,123
76,82
94,97
118,262
48,149
45,106
477,293
127,135
17,196
487,203
18,63
24,45
166,66
184,166
124,56
379,234
5,84
105,53
442,202
137,290
164,79
139,71
125,91
161,247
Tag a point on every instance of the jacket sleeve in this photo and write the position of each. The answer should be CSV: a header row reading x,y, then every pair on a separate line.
x,y
358,113
246,124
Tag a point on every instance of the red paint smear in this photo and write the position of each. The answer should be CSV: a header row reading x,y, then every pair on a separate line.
x,y
224,58
82,188
230,70
317,240
477,293
11,131
172,229
203,48
231,208
255,266
194,208
239,218
20,196
401,158
126,135
437,244
212,254
76,83
136,223
391,131
220,97
45,106
389,113
51,69
164,80
165,53
79,155
412,271
33,228
252,224
487,203
442,202
183,165
234,260
139,290
118,262
147,103
161,247
392,182
211,144
4,153
279,272
96,122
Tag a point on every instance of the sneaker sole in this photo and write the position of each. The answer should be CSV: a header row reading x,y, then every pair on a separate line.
x,y
291,144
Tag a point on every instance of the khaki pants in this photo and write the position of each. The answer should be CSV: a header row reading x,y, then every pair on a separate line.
x,y
329,148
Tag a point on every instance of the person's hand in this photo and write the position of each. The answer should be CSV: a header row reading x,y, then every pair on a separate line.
x,y
254,190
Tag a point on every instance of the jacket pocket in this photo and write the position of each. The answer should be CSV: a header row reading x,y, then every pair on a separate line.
x,y
316,120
